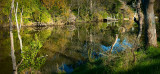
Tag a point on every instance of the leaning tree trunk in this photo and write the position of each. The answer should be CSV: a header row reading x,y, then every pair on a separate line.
x,y
150,23
12,41
18,28
114,43
18,31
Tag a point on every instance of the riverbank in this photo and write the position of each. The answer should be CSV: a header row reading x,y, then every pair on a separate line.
x,y
147,62
60,12
60,24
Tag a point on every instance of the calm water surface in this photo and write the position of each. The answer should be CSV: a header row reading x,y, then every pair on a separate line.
x,y
67,47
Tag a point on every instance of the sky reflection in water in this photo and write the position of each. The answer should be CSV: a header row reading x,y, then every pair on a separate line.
x,y
118,47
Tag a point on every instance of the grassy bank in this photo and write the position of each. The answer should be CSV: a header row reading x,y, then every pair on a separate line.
x,y
148,62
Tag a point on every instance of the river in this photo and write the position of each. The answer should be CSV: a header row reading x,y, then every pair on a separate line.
x,y
67,47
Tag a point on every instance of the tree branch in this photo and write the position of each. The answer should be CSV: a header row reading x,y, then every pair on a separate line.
x,y
114,43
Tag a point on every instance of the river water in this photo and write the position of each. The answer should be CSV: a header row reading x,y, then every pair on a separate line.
x,y
67,47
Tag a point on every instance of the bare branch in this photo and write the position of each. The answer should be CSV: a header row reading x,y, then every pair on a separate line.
x,y
20,63
114,43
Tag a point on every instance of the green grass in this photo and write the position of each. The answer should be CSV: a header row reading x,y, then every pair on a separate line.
x,y
148,62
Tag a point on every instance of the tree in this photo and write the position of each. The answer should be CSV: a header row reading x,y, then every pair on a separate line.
x,y
150,22
91,5
15,66
12,41
140,18
48,3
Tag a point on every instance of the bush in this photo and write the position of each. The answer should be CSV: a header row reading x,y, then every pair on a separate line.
x,y
31,58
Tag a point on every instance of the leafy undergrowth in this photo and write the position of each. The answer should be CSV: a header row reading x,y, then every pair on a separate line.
x,y
147,62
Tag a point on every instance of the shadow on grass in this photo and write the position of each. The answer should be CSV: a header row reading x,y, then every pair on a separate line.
x,y
153,68
150,65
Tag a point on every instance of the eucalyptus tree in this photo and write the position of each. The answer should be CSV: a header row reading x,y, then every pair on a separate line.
x,y
151,36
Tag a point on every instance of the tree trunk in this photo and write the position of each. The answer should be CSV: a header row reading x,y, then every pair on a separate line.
x,y
18,31
12,41
91,37
18,28
114,43
21,18
91,6
140,18
78,11
150,23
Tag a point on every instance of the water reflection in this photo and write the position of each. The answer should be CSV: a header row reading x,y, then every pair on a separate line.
x,y
69,46
118,47
85,41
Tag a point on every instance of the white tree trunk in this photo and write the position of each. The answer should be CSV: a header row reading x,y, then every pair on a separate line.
x,y
18,29
21,19
91,6
114,43
12,41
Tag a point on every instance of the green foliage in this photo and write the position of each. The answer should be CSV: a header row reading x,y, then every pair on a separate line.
x,y
46,11
5,11
31,57
152,51
113,6
33,11
46,17
104,14
122,63
148,63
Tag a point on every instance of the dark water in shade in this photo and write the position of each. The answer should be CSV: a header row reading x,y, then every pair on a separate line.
x,y
67,47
